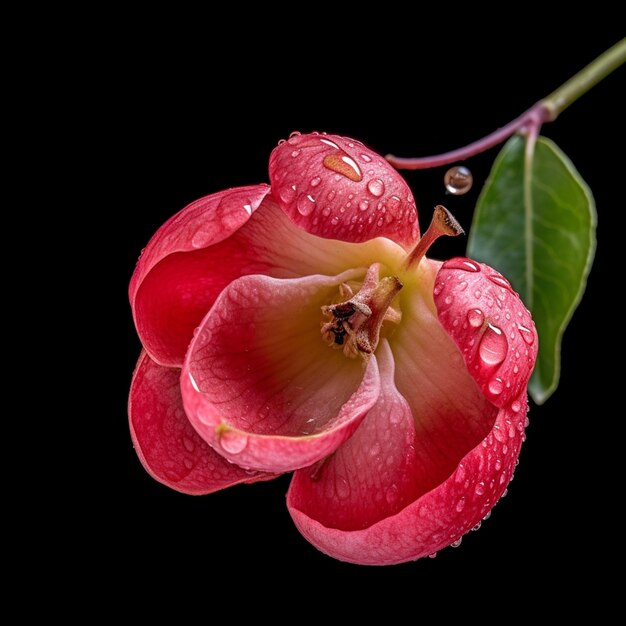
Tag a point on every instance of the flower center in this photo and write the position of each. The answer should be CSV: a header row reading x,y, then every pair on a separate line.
x,y
355,323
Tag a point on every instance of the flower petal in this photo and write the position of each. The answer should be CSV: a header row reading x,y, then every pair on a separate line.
x,y
439,517
338,188
374,474
169,291
175,285
261,386
167,445
490,325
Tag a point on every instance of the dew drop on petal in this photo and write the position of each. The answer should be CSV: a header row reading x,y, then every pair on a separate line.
x,y
344,165
393,203
480,488
475,317
233,442
460,505
527,334
432,555
458,180
376,187
305,204
315,181
295,153
516,406
493,346
477,527
438,288
500,281
498,465
366,158
391,494
461,264
457,543
364,205
496,386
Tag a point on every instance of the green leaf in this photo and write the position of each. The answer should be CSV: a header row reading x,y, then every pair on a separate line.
x,y
535,222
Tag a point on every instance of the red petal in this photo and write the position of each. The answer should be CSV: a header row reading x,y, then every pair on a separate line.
x,y
438,518
374,474
490,325
170,292
261,386
167,445
338,188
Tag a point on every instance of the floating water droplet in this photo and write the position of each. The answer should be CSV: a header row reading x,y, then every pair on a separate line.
x,y
458,180
475,317
496,386
315,181
344,165
493,346
232,441
457,543
461,264
480,488
460,505
376,187
527,334
305,204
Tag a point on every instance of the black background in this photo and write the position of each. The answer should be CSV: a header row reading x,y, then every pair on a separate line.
x,y
186,124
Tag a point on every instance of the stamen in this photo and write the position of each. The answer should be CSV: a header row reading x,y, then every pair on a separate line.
x,y
443,223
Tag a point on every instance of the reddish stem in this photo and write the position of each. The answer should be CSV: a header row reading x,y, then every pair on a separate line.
x,y
531,119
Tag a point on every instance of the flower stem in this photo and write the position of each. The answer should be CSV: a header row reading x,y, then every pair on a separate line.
x,y
546,110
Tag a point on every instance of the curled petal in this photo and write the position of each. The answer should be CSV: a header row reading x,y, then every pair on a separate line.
x,y
259,383
170,290
490,325
167,445
338,188
439,517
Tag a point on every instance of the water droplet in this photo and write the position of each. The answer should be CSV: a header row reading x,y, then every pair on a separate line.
x,y
281,142
527,334
477,527
493,346
295,153
438,288
315,181
498,465
305,204
462,286
392,494
480,488
376,187
364,205
496,386
457,543
487,516
448,300
432,555
458,180
342,487
393,203
475,317
188,464
344,165
232,441
294,138
460,505
330,143
500,281
189,444
366,158
334,221
380,222
461,264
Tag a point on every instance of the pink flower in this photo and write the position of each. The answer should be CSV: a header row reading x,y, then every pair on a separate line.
x,y
299,327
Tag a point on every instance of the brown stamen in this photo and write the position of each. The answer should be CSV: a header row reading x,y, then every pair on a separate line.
x,y
443,223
